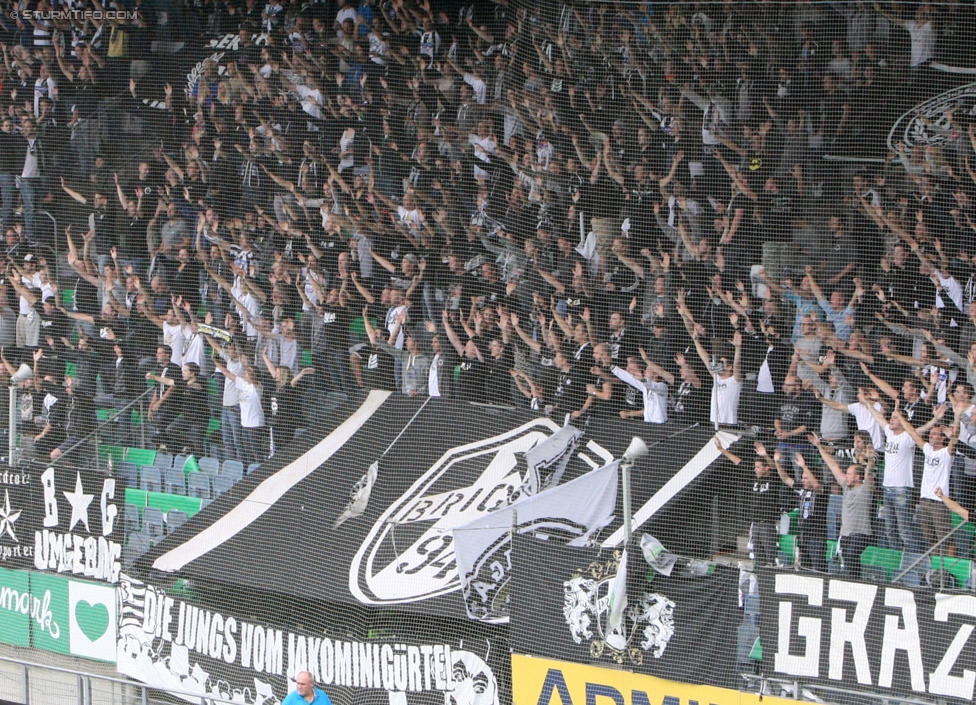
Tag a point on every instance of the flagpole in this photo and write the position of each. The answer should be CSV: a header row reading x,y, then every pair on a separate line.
x,y
637,449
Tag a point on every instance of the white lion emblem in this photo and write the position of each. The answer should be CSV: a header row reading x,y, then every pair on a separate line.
x,y
656,613
586,608
578,599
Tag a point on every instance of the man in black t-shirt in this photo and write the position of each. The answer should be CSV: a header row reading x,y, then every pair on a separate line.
x,y
812,502
371,365
763,505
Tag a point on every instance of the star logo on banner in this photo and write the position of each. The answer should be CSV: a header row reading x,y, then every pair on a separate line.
x,y
79,504
7,517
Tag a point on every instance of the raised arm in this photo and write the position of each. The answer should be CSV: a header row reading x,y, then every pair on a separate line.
x,y
452,334
880,383
828,459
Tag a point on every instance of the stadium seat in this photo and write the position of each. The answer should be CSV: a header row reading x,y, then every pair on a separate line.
x,y
959,567
133,521
117,453
166,502
175,481
163,461
198,485
140,456
175,519
136,544
153,522
128,472
179,462
252,467
133,495
222,483
209,466
150,479
233,469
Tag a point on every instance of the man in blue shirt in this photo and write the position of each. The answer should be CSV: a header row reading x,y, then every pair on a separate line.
x,y
306,692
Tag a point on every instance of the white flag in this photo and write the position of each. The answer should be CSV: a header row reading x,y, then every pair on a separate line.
x,y
360,495
617,599
569,514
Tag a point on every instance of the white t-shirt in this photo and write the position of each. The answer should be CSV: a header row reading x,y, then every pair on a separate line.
x,y
655,395
923,41
725,400
899,450
434,376
173,337
938,463
764,381
231,396
33,283
867,422
193,347
252,413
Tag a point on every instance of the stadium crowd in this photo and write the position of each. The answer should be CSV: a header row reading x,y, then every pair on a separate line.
x,y
588,210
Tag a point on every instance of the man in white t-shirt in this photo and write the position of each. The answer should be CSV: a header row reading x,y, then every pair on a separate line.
x,y
726,380
933,516
861,411
899,477
652,383
249,391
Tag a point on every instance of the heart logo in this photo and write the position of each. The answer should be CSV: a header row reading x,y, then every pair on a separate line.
x,y
91,619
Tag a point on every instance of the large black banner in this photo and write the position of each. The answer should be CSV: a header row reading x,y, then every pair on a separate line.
x,y
881,638
679,628
16,538
369,499
64,521
208,651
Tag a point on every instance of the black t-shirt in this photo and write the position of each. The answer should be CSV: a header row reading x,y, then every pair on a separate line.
x,y
813,512
801,410
764,499
284,412
471,380
688,403
377,368
498,379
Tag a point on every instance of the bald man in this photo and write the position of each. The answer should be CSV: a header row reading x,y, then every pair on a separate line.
x,y
306,692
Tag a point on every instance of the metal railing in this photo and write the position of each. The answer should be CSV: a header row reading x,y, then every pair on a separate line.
x,y
124,691
71,454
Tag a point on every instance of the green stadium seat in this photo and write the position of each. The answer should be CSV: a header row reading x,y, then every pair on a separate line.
x,y
117,453
957,520
68,298
137,497
165,502
306,358
140,456
958,567
787,544
887,559
213,426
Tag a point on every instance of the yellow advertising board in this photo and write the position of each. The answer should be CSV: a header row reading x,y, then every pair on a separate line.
x,y
539,681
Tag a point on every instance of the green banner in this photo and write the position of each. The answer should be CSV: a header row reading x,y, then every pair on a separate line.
x,y
56,613
49,613
15,607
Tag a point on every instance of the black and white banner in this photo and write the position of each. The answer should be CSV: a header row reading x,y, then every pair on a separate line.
x,y
679,628
16,534
203,652
878,638
373,495
63,521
